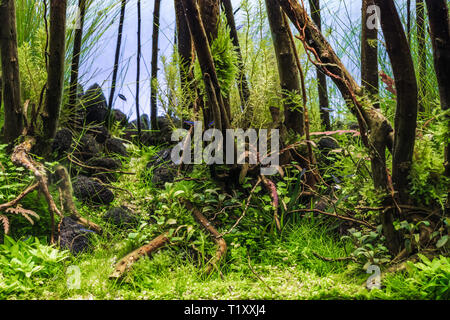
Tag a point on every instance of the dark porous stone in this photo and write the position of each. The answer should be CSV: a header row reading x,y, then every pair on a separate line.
x,y
107,163
163,174
62,141
73,236
116,146
121,217
87,148
158,136
101,134
120,117
98,166
91,191
327,144
95,104
164,170
165,129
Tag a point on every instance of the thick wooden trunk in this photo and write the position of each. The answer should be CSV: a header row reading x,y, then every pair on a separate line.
x,y
210,14
287,68
55,80
116,60
406,112
324,103
184,43
369,55
13,124
154,89
244,90
76,54
204,55
406,85
440,38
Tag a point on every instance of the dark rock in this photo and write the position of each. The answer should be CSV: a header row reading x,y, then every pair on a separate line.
x,y
159,136
327,144
121,217
114,145
164,170
95,104
164,130
62,141
91,191
339,125
101,134
87,148
73,236
120,117
107,163
101,164
163,174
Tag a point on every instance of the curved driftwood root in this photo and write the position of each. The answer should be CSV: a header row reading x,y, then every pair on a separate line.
x,y
272,189
221,244
125,263
20,157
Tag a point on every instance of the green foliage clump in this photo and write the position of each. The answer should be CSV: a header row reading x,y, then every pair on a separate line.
x,y
429,184
432,277
427,279
225,60
33,74
25,264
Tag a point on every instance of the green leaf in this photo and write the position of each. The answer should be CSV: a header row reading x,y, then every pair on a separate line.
x,y
442,241
171,221
177,193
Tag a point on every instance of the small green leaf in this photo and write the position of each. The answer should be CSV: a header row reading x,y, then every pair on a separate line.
x,y
442,241
177,193
171,221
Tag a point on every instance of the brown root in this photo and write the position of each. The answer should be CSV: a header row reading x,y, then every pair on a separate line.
x,y
221,244
270,186
125,263
21,157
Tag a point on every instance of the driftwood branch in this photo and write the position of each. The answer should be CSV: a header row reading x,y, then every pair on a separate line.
x,y
274,195
125,264
221,244
20,157
14,202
